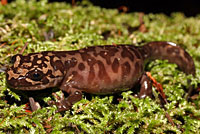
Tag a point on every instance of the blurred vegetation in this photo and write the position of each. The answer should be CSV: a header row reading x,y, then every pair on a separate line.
x,y
59,26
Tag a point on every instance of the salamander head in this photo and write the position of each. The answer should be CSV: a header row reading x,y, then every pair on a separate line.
x,y
34,71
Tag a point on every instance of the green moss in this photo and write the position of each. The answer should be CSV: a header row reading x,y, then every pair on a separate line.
x,y
84,25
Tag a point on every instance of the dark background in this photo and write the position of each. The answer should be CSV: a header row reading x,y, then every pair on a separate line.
x,y
188,7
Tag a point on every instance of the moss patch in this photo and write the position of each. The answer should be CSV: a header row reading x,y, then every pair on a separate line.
x,y
59,26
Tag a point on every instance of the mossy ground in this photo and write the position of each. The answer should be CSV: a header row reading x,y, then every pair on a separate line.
x,y
59,26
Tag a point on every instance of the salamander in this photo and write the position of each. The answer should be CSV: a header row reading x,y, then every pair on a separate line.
x,y
99,70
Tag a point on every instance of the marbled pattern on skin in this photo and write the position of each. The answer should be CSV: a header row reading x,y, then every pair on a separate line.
x,y
98,70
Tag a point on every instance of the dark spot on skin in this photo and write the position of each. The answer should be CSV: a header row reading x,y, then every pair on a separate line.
x,y
35,59
45,53
38,65
137,67
126,68
43,58
102,70
49,73
164,46
187,56
71,52
136,52
45,80
26,59
181,63
58,65
71,63
44,65
170,50
108,53
176,50
115,65
85,56
91,61
126,53
185,63
14,70
60,54
81,66
67,64
89,49
146,51
112,50
91,74
104,54
102,74
14,58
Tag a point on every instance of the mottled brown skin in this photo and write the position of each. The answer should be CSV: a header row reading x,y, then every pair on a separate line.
x,y
97,70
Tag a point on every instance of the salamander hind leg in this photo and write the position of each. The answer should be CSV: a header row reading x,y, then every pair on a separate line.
x,y
63,103
146,87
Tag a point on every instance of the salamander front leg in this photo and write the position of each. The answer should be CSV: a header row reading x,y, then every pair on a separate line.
x,y
34,105
63,103
146,87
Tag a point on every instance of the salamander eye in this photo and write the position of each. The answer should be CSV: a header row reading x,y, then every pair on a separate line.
x,y
36,76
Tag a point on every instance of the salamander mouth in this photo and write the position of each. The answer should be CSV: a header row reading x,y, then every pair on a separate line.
x,y
29,87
